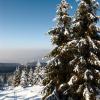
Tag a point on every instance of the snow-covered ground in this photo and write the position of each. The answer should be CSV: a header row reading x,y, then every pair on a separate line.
x,y
19,93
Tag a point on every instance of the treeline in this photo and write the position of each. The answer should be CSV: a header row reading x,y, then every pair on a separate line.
x,y
23,76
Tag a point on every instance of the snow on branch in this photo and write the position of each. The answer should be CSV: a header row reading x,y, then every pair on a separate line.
x,y
91,42
94,59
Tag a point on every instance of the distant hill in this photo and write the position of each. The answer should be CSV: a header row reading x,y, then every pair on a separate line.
x,y
8,67
11,67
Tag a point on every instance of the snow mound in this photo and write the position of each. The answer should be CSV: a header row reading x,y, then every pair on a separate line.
x,y
19,93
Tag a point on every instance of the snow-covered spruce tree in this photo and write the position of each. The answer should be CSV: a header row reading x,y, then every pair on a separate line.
x,y
30,77
24,78
1,82
38,75
10,79
57,69
16,77
85,81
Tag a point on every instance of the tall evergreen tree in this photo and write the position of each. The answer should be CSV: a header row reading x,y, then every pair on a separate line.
x,y
16,77
38,75
24,78
85,81
30,77
57,70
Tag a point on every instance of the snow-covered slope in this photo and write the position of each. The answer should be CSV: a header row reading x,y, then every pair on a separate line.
x,y
19,93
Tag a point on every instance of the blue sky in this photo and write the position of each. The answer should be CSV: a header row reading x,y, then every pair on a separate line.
x,y
24,23
23,26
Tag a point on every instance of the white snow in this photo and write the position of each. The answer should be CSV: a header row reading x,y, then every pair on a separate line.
x,y
72,43
81,59
66,32
91,16
92,43
76,69
86,94
94,59
82,42
19,93
88,75
72,80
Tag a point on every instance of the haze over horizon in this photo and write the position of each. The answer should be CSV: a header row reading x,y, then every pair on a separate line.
x,y
23,27
23,56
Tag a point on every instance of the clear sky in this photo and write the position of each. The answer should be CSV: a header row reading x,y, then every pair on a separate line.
x,y
24,23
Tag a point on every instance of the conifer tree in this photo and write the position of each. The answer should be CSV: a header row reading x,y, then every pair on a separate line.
x,y
58,70
30,77
24,78
85,81
38,75
16,78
